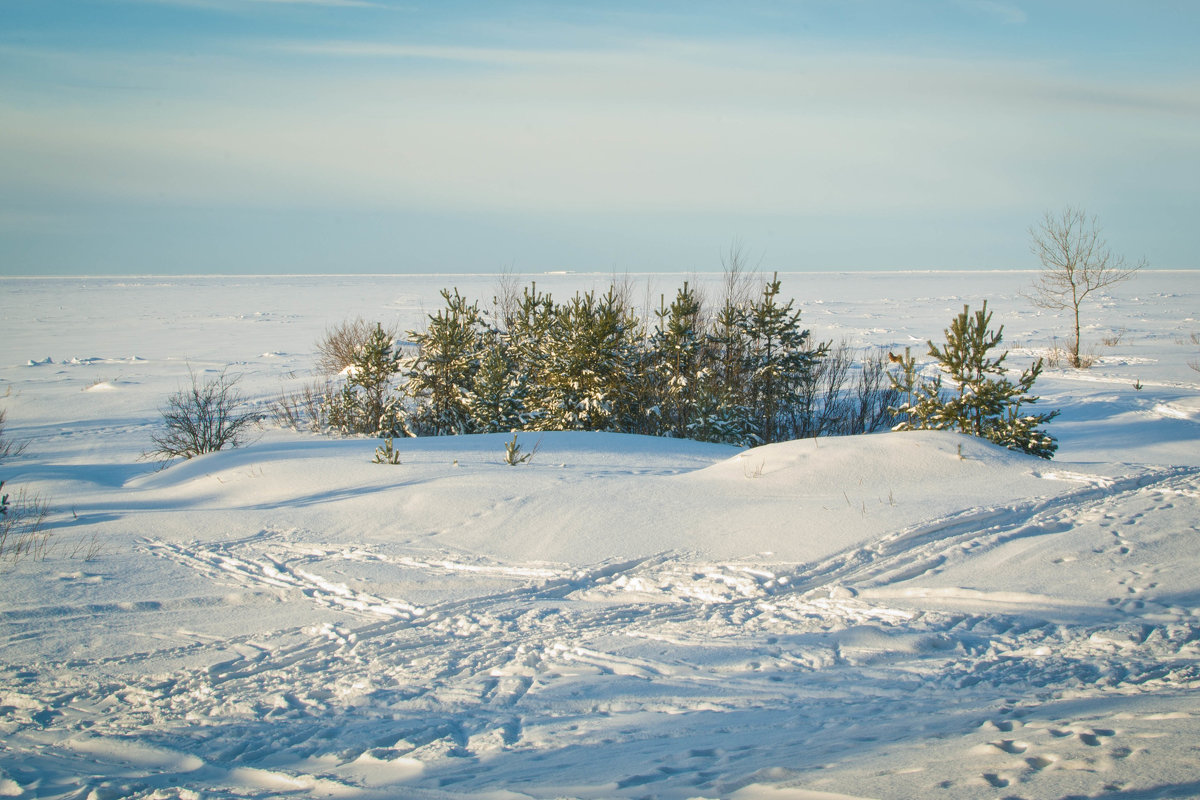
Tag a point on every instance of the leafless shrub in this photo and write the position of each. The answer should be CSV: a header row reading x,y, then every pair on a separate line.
x,y
739,279
1114,339
336,349
204,418
22,527
507,298
87,548
1193,340
304,409
1056,357
23,515
873,395
818,411
7,446
850,394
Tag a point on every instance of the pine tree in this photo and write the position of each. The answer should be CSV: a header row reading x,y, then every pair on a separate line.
x,y
526,330
587,367
677,366
721,417
1008,426
980,401
724,403
442,377
367,403
496,401
779,362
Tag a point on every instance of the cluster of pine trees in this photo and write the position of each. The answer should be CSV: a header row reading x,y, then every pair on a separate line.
x,y
743,372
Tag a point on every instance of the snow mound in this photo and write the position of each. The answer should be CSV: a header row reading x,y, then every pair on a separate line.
x,y
593,498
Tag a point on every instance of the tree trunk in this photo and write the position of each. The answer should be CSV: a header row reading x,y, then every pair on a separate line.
x,y
1075,361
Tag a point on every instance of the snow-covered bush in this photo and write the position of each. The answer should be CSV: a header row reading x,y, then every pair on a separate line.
x,y
496,401
779,366
678,372
588,366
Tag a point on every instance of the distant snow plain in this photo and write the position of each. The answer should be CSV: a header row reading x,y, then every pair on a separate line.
x,y
897,615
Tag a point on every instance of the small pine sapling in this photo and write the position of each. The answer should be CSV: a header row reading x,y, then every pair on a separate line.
x,y
513,454
979,400
920,399
386,453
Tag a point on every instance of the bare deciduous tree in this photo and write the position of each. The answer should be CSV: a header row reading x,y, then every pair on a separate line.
x,y
1076,261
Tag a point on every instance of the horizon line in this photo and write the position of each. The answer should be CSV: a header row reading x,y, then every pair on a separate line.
x,y
550,273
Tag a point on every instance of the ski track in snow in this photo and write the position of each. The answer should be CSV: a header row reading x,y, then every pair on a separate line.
x,y
396,694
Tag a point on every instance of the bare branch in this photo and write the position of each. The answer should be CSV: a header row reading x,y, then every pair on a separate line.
x,y
739,279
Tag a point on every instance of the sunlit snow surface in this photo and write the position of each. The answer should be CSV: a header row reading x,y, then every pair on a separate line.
x,y
892,616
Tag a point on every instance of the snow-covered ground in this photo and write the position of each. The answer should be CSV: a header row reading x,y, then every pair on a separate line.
x,y
914,615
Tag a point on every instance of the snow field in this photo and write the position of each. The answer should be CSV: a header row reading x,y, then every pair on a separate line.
x,y
890,616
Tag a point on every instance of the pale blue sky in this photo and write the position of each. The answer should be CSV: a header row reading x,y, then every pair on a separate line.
x,y
263,136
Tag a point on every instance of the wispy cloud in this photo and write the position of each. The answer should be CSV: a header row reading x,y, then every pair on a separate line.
x,y
522,114
684,125
659,125
493,56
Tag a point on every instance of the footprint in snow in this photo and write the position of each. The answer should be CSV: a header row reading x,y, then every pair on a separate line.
x,y
996,781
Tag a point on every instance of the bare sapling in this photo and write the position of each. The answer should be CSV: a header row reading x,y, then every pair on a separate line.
x,y
1076,261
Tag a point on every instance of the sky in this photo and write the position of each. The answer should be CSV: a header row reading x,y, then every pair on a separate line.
x,y
404,136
